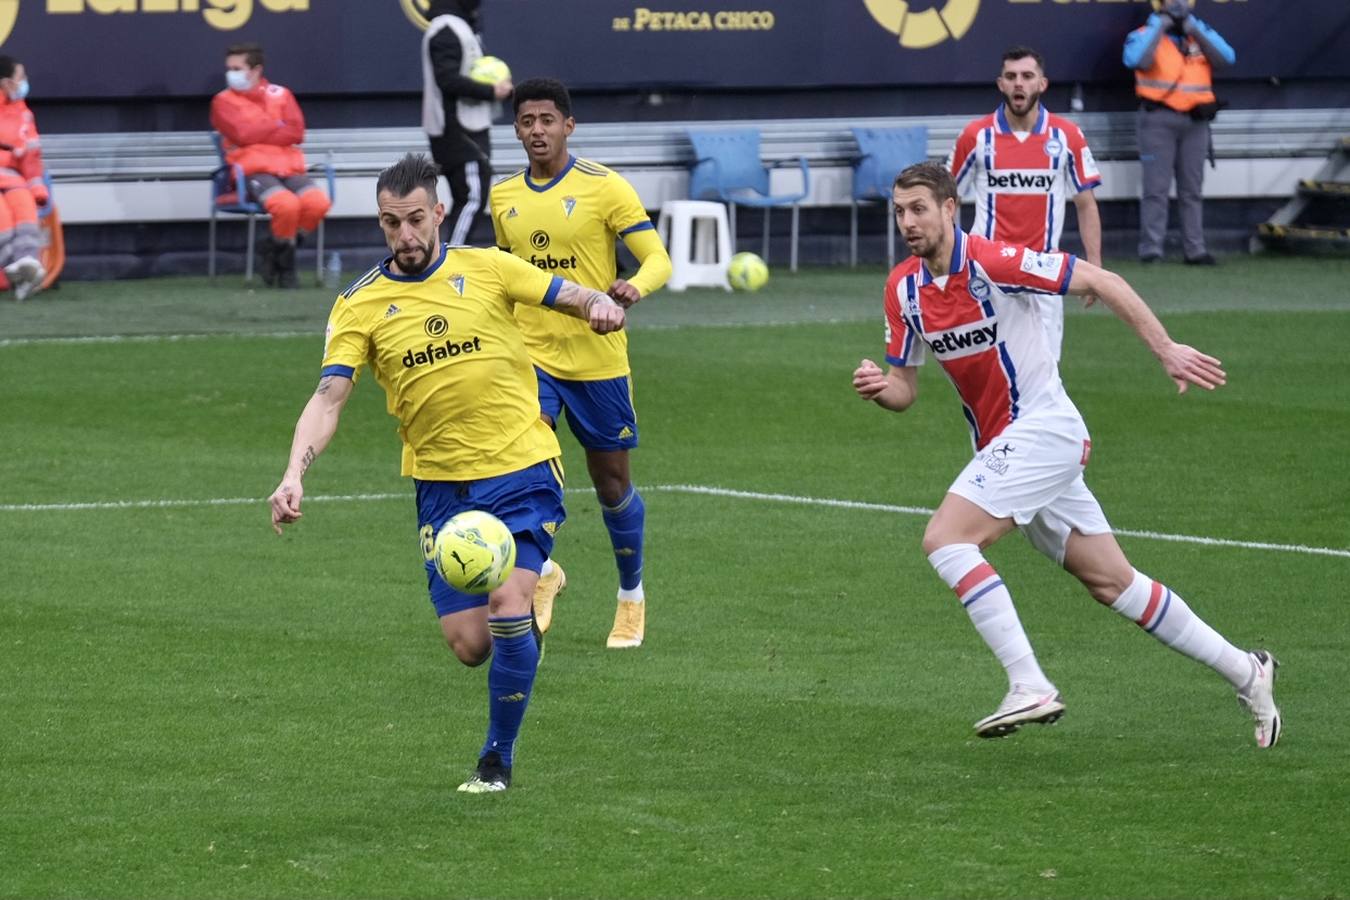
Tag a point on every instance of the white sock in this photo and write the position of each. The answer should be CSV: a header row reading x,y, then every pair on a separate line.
x,y
633,596
1155,608
990,607
547,568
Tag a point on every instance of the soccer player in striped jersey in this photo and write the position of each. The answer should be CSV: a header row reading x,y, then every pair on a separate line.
x,y
1021,161
435,324
564,214
964,299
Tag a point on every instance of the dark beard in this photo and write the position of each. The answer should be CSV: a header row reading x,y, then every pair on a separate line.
x,y
1032,100
426,261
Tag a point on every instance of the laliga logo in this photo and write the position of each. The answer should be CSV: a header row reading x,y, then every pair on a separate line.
x,y
9,11
417,12
927,28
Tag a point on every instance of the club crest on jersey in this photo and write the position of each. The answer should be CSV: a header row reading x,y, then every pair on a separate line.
x,y
569,204
979,288
1053,147
456,281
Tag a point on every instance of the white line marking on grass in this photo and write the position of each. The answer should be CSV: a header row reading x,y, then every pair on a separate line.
x,y
178,504
660,488
921,511
148,338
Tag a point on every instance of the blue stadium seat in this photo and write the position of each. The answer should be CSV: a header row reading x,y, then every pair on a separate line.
x,y
229,194
727,167
884,153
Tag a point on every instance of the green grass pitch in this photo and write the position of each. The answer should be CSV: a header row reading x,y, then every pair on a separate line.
x,y
192,707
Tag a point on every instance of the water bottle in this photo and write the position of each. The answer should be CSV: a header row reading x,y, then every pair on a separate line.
x,y
1076,99
332,271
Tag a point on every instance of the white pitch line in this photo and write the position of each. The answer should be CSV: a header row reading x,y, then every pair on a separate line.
x,y
669,489
151,338
921,511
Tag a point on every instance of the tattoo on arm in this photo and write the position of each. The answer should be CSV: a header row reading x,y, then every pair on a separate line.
x,y
307,460
324,384
575,300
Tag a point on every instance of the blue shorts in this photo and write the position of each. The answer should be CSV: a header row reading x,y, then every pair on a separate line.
x,y
529,501
600,413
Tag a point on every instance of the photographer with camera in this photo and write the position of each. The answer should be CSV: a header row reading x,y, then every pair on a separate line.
x,y
1172,57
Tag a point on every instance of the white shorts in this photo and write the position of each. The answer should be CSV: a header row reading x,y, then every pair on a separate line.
x,y
1032,473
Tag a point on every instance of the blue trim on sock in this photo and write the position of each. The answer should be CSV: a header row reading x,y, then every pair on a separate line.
x,y
510,681
987,589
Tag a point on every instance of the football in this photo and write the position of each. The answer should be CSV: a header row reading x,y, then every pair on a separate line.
x,y
489,70
475,552
747,272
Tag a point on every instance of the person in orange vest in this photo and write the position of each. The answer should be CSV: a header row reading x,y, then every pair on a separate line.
x,y
261,126
1173,57
21,183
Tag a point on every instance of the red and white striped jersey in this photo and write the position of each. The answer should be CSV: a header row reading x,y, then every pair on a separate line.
x,y
1020,184
981,324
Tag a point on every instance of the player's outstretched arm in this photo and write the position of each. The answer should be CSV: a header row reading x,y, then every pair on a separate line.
x,y
313,430
596,307
1184,364
895,389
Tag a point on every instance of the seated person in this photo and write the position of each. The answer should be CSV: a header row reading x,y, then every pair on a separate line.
x,y
262,128
21,183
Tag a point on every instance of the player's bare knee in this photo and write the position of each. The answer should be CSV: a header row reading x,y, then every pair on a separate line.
x,y
511,599
935,537
470,651
1106,586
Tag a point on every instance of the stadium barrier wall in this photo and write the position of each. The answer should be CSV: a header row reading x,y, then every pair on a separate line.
x,y
162,177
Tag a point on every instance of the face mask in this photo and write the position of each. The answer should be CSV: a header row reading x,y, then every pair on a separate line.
x,y
20,90
236,79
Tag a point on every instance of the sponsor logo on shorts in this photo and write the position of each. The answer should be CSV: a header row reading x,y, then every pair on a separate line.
x,y
550,527
977,481
625,433
994,464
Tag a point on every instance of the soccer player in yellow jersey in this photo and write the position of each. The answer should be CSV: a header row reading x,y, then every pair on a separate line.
x,y
563,215
435,325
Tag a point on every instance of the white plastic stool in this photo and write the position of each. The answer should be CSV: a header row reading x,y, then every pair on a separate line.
x,y
698,237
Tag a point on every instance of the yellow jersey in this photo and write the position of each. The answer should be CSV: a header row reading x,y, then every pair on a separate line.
x,y
445,347
567,227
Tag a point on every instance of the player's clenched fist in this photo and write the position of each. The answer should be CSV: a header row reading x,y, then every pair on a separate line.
x,y
285,503
868,380
605,316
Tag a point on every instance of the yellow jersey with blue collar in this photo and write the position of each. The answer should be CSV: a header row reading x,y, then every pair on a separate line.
x,y
445,347
568,227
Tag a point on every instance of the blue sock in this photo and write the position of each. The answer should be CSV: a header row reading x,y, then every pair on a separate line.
x,y
625,522
515,657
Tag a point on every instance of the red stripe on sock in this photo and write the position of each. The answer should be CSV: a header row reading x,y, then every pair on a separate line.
x,y
972,578
1155,595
